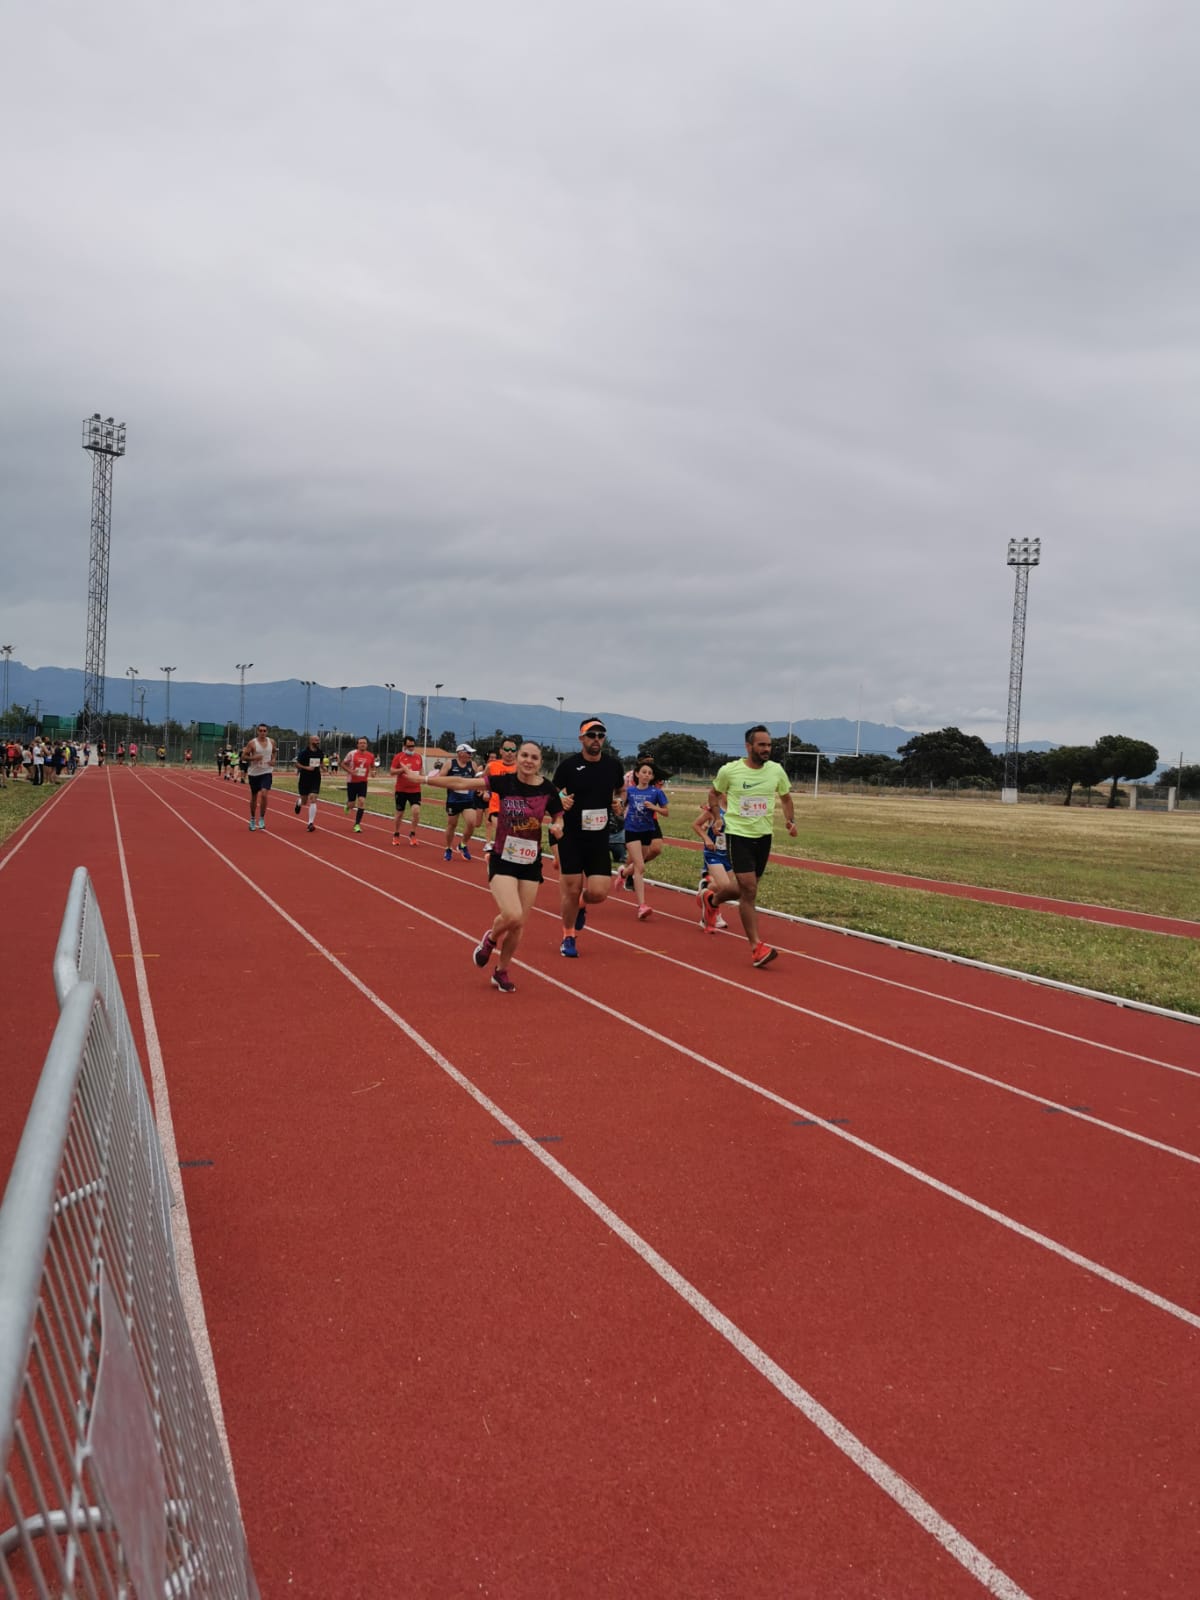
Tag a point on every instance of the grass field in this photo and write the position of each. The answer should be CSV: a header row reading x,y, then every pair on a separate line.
x,y
18,800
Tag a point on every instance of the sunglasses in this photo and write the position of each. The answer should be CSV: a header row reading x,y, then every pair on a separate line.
x,y
596,733
508,749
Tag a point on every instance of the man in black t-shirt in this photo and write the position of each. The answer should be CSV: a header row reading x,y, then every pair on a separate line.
x,y
590,785
308,778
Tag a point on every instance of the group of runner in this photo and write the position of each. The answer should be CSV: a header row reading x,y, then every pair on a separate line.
x,y
578,805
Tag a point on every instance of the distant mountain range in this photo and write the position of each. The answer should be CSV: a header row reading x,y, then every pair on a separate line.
x,y
368,709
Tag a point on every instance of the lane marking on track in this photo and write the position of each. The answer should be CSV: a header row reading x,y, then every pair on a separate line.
x,y
433,868
897,1489
24,834
981,1208
189,1281
1079,1114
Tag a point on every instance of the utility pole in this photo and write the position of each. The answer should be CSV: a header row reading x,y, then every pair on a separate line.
x,y
167,718
132,674
390,687
308,689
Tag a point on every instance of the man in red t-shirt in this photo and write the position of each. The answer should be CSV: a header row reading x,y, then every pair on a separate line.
x,y
407,767
358,765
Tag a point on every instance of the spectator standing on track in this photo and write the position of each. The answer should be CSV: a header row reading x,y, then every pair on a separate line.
x,y
37,751
464,804
359,765
645,802
406,765
308,778
515,864
750,788
505,761
258,758
591,785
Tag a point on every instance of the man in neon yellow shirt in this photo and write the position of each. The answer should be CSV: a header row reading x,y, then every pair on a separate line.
x,y
746,791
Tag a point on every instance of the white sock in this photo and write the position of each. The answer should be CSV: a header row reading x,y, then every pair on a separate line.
x,y
312,810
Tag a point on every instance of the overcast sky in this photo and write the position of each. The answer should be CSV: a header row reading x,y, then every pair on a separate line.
x,y
685,359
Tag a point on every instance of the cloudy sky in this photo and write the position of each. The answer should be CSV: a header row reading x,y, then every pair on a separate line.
x,y
684,358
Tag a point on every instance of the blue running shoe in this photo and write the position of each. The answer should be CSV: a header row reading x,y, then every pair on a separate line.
x,y
464,852
567,947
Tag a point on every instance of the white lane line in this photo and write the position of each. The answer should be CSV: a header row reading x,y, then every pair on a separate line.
x,y
895,1044
189,1281
1031,1235
25,834
896,983
897,1489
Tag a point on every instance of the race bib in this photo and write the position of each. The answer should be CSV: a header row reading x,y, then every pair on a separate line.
x,y
521,852
594,821
753,807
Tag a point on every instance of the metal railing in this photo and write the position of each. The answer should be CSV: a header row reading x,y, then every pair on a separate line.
x,y
114,1480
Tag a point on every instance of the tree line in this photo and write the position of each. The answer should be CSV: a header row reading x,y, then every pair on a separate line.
x,y
949,757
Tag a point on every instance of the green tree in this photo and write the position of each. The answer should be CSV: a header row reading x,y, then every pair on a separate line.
x,y
864,769
679,752
1186,779
1070,764
1119,756
949,755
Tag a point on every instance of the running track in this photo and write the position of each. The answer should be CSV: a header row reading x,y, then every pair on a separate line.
x,y
866,1275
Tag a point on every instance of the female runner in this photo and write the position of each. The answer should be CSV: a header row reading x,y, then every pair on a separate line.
x,y
515,863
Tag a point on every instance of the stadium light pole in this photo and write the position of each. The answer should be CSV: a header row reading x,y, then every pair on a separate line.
x,y
437,688
243,668
105,440
132,674
560,698
1022,555
390,687
308,689
341,702
6,651
167,718
462,727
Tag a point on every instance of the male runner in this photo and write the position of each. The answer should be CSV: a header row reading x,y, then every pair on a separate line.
x,y
406,764
461,803
308,778
747,789
359,765
591,785
258,758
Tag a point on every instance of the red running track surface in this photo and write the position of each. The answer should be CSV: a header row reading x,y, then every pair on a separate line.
x,y
956,1211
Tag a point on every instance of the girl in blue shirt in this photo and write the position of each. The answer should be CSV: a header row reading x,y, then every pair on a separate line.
x,y
645,802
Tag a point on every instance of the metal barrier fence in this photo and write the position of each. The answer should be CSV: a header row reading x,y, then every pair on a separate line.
x,y
115,1483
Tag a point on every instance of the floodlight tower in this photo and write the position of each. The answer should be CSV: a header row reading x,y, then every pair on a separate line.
x,y
1022,555
106,440
243,667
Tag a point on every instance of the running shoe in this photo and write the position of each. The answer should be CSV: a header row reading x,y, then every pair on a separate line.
x,y
487,849
251,824
413,840
262,824
630,885
482,952
502,981
312,827
358,827
395,838
643,913
464,852
721,924
447,855
581,919
708,910
762,955
297,808
567,947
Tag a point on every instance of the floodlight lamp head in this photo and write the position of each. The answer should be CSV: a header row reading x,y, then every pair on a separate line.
x,y
1024,552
